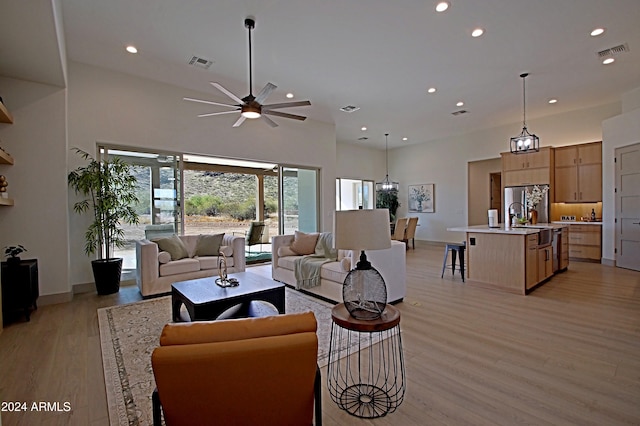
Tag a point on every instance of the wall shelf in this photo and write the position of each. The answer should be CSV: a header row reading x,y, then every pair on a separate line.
x,y
6,201
5,158
5,115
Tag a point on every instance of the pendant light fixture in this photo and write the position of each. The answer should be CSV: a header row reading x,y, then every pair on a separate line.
x,y
386,185
525,141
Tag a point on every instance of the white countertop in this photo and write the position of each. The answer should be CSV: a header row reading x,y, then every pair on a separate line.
x,y
576,222
512,230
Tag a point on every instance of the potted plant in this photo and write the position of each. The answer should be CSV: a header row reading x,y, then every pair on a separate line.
x,y
388,200
109,188
12,252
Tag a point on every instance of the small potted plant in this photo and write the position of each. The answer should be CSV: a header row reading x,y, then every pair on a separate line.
x,y
12,252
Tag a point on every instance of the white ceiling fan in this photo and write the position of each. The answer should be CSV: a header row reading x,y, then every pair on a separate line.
x,y
252,106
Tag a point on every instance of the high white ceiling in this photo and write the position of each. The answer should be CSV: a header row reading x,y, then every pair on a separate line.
x,y
378,55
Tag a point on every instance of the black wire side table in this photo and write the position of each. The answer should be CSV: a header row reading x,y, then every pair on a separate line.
x,y
367,382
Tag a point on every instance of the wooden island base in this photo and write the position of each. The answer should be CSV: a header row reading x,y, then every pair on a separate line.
x,y
513,259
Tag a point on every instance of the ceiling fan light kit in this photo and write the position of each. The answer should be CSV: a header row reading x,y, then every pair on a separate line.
x,y
250,106
525,141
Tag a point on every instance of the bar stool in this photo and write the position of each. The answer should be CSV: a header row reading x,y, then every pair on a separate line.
x,y
456,249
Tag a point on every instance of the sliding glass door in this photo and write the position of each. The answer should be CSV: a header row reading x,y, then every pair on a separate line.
x,y
298,200
158,192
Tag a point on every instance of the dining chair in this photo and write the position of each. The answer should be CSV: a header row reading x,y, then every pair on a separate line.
x,y
399,230
410,232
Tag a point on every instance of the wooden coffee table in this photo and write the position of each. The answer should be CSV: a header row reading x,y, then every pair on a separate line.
x,y
205,300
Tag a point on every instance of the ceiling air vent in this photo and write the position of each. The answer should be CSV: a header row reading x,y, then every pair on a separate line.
x,y
622,48
460,112
363,138
349,108
199,62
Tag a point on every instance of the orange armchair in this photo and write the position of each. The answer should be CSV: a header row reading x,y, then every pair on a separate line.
x,y
241,371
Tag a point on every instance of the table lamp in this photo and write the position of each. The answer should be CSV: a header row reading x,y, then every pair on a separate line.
x,y
364,292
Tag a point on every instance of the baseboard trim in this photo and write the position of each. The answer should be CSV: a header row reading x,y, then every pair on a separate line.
x,y
608,262
54,299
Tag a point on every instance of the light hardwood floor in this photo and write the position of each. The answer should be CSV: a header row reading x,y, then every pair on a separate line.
x,y
569,353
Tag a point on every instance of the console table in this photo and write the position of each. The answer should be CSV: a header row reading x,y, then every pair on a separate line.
x,y
20,289
367,382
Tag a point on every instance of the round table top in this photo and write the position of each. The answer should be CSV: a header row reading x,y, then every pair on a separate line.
x,y
390,318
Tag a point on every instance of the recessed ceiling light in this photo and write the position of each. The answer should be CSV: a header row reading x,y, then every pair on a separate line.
x,y
289,95
460,103
132,49
431,90
442,6
477,32
405,138
553,101
363,128
608,61
597,31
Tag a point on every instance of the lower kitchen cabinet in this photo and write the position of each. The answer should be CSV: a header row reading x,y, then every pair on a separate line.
x,y
585,242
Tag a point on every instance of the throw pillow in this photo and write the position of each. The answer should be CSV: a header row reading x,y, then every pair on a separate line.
x,y
304,243
227,250
345,263
208,245
285,251
173,245
164,257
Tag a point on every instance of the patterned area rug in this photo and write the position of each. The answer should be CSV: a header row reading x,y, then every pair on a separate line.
x,y
129,333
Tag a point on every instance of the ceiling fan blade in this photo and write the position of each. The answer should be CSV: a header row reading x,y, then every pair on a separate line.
x,y
240,121
211,114
285,115
202,101
226,92
269,121
265,92
286,105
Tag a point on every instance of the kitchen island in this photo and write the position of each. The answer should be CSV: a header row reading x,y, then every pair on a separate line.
x,y
516,259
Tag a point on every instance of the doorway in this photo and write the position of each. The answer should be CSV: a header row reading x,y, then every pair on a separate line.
x,y
481,195
628,207
495,201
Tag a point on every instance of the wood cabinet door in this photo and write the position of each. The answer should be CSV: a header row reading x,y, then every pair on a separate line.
x,y
590,153
538,159
566,156
531,265
566,184
545,263
589,182
512,161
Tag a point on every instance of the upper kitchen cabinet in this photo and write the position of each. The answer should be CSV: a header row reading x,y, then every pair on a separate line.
x,y
532,168
578,173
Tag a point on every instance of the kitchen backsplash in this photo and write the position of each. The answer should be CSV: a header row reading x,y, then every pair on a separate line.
x,y
575,212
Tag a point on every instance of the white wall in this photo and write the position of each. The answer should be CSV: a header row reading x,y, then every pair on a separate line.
x,y
617,132
444,163
37,180
117,108
360,162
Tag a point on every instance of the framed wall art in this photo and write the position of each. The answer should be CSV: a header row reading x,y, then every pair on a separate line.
x,y
422,198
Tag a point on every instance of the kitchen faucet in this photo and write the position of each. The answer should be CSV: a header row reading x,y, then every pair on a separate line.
x,y
512,215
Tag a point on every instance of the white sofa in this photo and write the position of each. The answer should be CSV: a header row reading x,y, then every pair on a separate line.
x,y
154,278
391,263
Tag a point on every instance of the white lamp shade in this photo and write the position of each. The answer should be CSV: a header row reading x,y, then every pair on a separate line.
x,y
362,229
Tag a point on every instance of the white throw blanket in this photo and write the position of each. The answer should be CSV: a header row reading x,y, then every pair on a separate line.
x,y
307,268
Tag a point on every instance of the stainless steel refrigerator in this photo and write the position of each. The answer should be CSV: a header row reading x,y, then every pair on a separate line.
x,y
515,203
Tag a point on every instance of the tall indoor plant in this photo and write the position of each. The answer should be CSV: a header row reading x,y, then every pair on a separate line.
x,y
109,189
388,199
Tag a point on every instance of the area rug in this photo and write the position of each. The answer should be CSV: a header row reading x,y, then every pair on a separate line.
x,y
129,334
